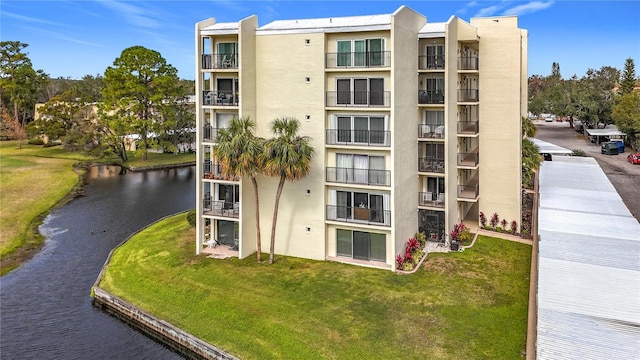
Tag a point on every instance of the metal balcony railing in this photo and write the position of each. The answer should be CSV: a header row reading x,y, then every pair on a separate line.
x,y
360,215
468,63
431,62
431,164
369,59
358,137
431,131
358,176
211,170
468,95
430,96
467,127
431,199
220,61
468,191
468,159
221,208
358,98
209,133
220,98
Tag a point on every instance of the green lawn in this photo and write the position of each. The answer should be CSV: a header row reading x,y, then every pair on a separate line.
x,y
467,305
35,178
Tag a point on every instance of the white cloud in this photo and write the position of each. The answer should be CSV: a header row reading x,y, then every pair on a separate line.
x,y
134,15
528,8
488,11
27,18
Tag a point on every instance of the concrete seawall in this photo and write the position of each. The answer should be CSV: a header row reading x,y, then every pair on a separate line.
x,y
180,341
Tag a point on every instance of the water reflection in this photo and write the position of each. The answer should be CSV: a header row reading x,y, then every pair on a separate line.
x,y
45,305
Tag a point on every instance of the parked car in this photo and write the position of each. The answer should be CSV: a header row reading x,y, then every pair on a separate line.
x,y
548,119
609,148
634,158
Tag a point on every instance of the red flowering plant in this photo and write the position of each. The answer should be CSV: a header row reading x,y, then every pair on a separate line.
x,y
514,227
494,220
461,234
483,220
413,252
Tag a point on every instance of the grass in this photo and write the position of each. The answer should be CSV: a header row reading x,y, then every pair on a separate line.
x,y
158,159
33,179
466,305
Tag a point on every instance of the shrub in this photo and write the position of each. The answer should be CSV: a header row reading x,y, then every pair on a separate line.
x,y
412,253
514,227
494,220
483,219
422,238
36,141
504,223
578,152
498,228
191,217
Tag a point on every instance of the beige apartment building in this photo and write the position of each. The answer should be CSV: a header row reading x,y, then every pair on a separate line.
x,y
416,126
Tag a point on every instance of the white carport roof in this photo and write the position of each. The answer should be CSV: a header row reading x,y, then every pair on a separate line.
x,y
605,132
549,148
588,265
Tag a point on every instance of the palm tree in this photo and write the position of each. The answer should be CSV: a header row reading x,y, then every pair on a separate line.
x,y
288,156
528,128
239,153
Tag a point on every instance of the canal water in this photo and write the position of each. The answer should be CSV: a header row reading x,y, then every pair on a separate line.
x,y
45,305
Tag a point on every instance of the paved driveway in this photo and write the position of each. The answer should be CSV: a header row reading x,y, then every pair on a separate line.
x,y
624,176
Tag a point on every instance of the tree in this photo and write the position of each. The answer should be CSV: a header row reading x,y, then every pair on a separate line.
x,y
629,80
180,122
626,114
528,128
288,156
139,93
531,160
239,153
19,82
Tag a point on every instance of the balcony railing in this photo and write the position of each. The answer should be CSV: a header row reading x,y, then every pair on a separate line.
x,y
358,137
221,208
468,191
468,63
358,59
220,98
209,133
358,215
468,95
358,176
430,62
431,131
431,97
431,199
358,98
211,170
467,127
220,61
431,164
468,159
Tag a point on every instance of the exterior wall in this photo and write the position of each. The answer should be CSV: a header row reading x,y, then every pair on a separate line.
x,y
405,24
282,66
501,69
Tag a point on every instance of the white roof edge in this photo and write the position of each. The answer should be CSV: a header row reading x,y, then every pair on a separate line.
x,y
322,30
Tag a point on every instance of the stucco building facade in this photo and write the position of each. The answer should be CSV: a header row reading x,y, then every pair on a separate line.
x,y
416,126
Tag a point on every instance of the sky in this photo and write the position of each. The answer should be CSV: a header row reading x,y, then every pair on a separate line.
x,y
72,39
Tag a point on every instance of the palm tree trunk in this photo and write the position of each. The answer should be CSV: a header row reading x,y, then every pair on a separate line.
x,y
275,218
258,241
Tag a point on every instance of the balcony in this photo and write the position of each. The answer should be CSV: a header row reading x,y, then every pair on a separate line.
x,y
358,176
209,133
220,61
221,208
468,95
469,192
468,63
358,137
431,131
431,164
358,98
430,62
431,97
220,98
468,159
431,199
349,60
361,215
467,127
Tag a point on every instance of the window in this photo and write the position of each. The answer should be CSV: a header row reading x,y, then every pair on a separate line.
x,y
367,91
366,52
361,207
361,169
358,129
227,54
361,245
435,56
434,151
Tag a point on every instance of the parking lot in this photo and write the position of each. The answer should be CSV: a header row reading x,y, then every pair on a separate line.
x,y
624,176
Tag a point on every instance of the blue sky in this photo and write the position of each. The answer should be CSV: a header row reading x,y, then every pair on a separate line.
x,y
77,38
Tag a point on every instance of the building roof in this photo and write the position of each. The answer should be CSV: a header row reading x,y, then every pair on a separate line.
x,y
221,29
430,30
605,132
334,24
549,148
588,265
